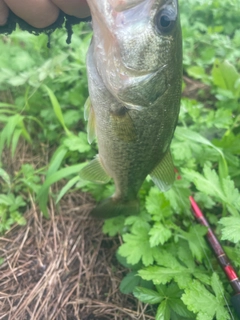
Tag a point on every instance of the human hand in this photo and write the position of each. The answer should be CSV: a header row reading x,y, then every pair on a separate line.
x,y
42,13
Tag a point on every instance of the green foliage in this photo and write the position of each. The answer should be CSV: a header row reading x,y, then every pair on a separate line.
x,y
137,246
171,306
231,229
204,303
10,207
42,97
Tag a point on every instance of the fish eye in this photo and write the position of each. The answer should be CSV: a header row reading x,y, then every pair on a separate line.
x,y
165,20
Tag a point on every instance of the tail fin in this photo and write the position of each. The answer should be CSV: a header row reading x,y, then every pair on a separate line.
x,y
110,208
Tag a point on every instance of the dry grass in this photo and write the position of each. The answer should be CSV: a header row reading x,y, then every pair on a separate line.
x,y
63,268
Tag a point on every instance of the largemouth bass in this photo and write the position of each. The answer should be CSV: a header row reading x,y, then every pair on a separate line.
x,y
134,68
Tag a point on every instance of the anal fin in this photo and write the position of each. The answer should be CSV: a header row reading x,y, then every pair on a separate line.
x,y
94,172
163,175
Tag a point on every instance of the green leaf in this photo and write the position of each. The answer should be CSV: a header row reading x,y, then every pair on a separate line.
x,y
157,205
231,229
169,268
8,130
147,296
210,184
196,242
179,308
56,176
137,247
163,311
123,261
7,200
129,282
159,234
178,196
163,275
68,186
185,133
57,108
4,175
77,143
197,72
199,300
139,221
233,254
225,75
113,226
15,138
56,160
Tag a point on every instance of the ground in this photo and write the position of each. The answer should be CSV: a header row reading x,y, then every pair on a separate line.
x,y
64,267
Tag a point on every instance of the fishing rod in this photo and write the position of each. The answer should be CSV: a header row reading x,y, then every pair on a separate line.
x,y
223,260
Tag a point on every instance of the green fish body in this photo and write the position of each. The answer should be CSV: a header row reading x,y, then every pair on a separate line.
x,y
134,68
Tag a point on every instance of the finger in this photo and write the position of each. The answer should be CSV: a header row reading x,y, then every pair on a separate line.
x,y
76,8
37,13
3,13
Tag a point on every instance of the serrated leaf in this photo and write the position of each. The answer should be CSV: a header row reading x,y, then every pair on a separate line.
x,y
169,268
123,261
199,300
159,234
233,254
196,241
139,221
136,247
210,184
178,196
113,226
163,275
157,205
77,143
187,134
230,229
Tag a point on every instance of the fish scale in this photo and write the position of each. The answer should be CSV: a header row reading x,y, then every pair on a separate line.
x,y
134,81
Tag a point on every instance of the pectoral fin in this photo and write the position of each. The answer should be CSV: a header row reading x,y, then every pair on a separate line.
x,y
90,116
94,172
123,125
163,175
87,107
